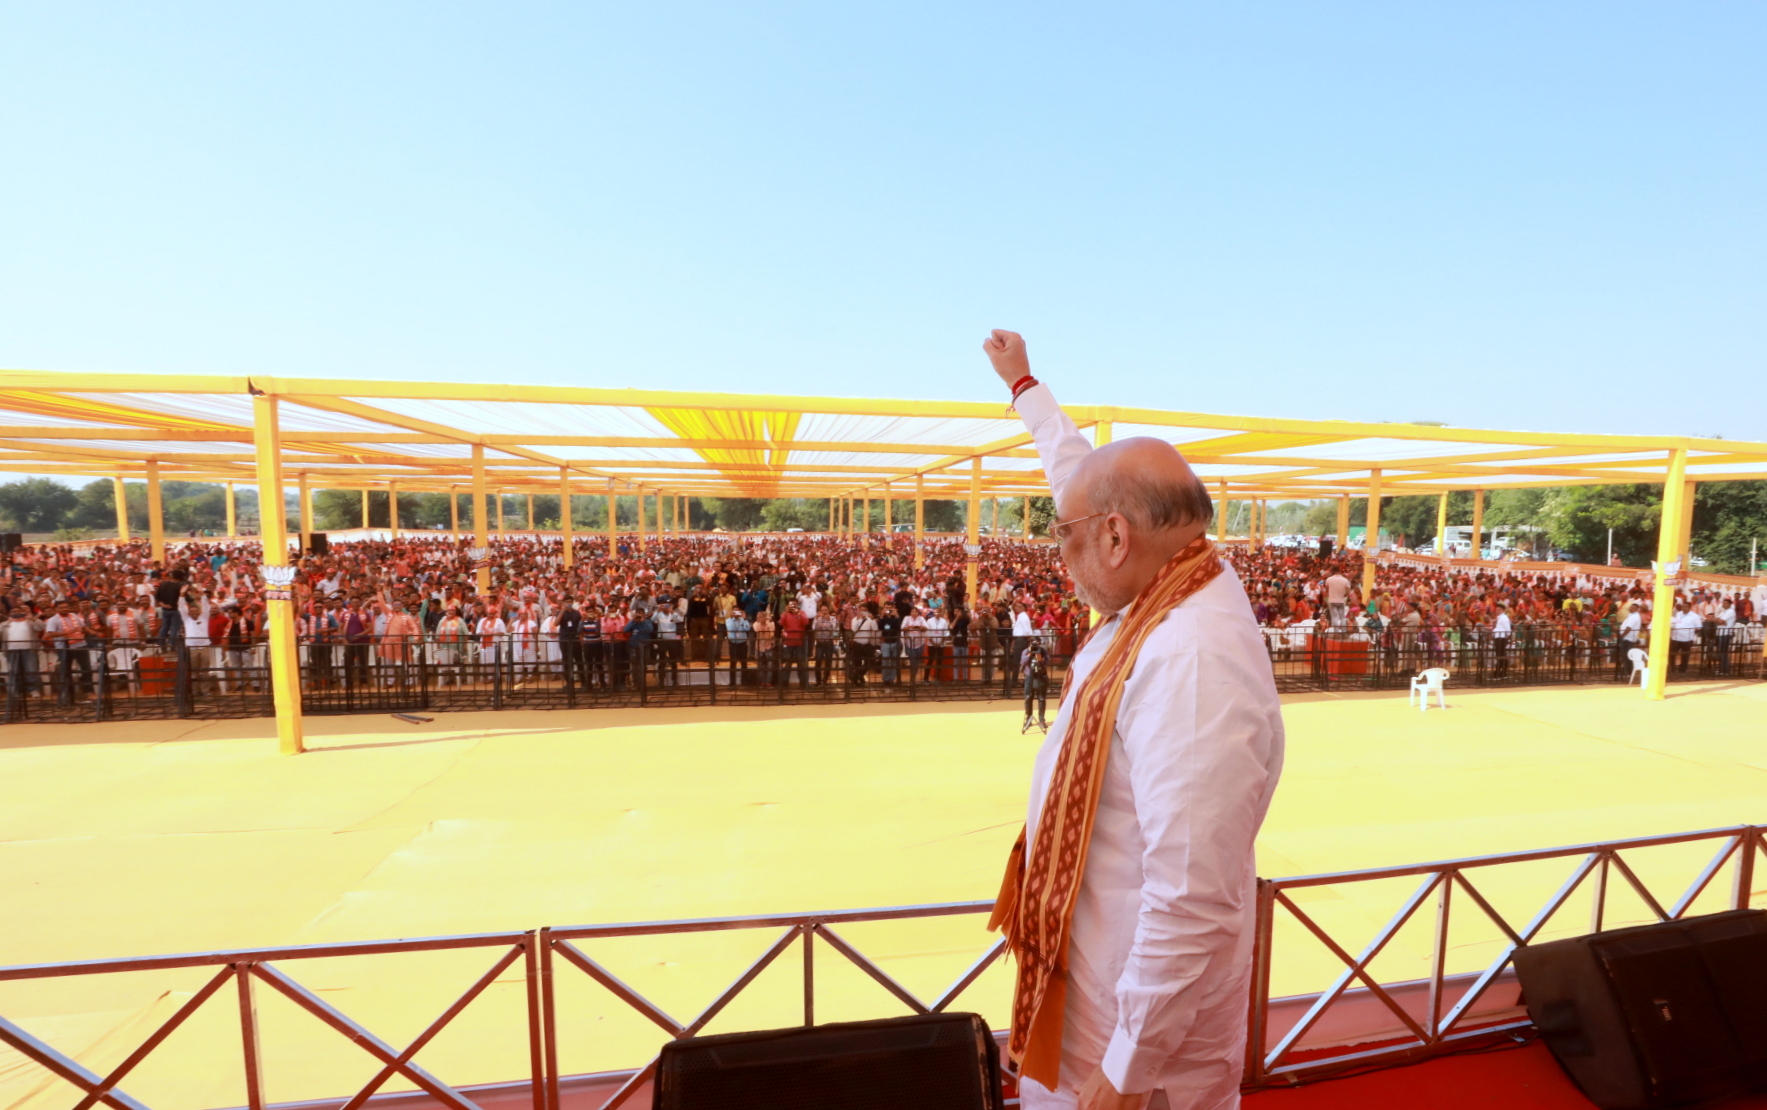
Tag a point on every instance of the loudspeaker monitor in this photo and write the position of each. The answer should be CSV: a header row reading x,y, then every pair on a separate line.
x,y
928,1062
1657,1015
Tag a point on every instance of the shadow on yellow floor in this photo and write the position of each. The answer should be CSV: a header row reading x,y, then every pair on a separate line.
x,y
156,837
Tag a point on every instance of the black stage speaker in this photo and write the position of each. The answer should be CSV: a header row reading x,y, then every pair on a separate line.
x,y
1658,1015
1326,543
922,1062
318,543
11,541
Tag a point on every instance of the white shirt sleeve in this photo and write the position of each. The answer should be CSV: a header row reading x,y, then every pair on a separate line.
x,y
1059,443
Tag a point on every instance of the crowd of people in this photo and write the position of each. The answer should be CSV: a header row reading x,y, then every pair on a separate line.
x,y
777,602
1435,607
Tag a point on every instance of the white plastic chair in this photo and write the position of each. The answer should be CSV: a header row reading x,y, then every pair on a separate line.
x,y
122,665
1640,667
1425,684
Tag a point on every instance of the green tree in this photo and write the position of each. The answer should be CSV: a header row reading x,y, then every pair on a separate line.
x,y
1322,517
97,507
36,504
1727,518
1577,519
784,513
733,514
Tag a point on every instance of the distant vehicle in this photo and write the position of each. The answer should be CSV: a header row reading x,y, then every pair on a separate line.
x,y
901,527
794,529
1457,548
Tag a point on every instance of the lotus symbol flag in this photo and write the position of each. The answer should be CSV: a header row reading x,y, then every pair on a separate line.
x,y
278,582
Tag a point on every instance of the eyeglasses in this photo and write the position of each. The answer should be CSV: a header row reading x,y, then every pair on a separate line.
x,y
1061,530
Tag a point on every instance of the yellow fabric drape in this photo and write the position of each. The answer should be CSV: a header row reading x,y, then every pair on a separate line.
x,y
758,427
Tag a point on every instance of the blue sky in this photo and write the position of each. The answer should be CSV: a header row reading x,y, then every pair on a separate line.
x,y
1540,216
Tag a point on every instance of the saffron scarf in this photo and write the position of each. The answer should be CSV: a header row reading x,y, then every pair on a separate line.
x,y
1035,909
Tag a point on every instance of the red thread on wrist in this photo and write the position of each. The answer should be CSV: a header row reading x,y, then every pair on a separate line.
x,y
1021,385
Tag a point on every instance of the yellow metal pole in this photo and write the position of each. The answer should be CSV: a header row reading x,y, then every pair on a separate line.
x,y
1221,515
501,530
1442,527
1684,529
1478,525
454,512
121,494
919,520
1101,433
1371,544
393,508
641,520
306,514
972,564
285,675
365,509
865,526
886,512
232,515
531,527
613,522
481,530
156,520
1343,522
1662,608
564,516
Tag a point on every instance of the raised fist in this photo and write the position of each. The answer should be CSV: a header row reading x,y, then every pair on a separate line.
x,y
1006,350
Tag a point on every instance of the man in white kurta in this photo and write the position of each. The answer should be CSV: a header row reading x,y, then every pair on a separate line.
x,y
1159,957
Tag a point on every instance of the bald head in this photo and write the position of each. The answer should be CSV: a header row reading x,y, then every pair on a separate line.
x,y
1144,479
1134,503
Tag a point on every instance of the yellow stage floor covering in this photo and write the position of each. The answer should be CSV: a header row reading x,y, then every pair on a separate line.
x,y
161,837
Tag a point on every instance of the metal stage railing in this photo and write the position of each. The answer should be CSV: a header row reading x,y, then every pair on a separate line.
x,y
1357,1021
541,953
1292,1039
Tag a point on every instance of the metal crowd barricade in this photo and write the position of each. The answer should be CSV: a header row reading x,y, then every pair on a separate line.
x,y
1358,1021
136,680
141,680
1310,657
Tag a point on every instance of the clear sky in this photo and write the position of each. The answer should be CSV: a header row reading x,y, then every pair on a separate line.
x,y
1526,215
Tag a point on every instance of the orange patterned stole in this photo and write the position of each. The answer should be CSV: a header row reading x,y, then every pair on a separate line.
x,y
1036,905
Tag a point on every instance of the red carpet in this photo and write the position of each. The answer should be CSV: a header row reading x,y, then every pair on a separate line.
x,y
1510,1079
